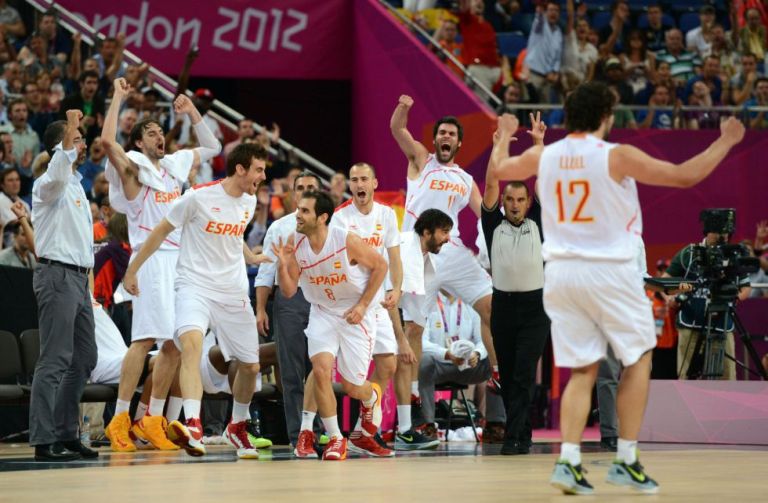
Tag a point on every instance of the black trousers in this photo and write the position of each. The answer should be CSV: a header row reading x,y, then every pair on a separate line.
x,y
520,328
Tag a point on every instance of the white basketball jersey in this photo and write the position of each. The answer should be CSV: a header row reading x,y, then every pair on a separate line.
x,y
327,279
378,228
445,188
585,213
149,208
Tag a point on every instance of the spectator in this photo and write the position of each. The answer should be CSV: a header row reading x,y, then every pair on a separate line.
x,y
337,188
658,119
111,261
662,75
752,37
11,74
100,223
480,54
622,117
244,130
639,63
722,47
10,187
8,160
758,120
136,75
203,100
93,165
26,143
36,59
710,75
257,228
503,15
58,41
125,123
699,39
654,34
579,56
702,119
683,64
110,58
545,50
614,76
611,40
10,22
19,254
446,37
743,83
100,188
40,114
512,96
89,102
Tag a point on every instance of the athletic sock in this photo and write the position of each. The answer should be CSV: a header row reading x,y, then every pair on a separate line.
x,y
156,406
403,418
174,408
240,411
191,409
626,451
372,400
570,453
331,425
307,420
122,406
141,409
415,388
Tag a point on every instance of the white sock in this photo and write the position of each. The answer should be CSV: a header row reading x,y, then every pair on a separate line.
x,y
240,411
331,425
403,418
141,409
156,406
570,453
174,408
122,406
495,369
191,409
626,450
415,388
307,420
372,400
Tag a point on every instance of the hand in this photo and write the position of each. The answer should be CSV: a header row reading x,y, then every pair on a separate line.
x,y
262,322
405,353
454,359
77,38
19,209
553,77
73,118
282,251
474,359
26,159
405,100
762,229
751,77
120,39
355,314
391,299
538,128
274,133
616,23
183,105
508,123
122,89
257,258
130,283
732,131
684,287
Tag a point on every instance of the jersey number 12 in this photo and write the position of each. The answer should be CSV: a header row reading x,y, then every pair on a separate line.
x,y
583,190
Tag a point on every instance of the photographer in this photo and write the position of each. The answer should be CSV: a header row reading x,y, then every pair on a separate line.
x,y
692,320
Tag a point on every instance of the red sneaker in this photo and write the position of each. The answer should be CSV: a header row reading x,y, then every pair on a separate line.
x,y
188,435
371,416
305,445
494,383
336,450
388,436
368,446
237,436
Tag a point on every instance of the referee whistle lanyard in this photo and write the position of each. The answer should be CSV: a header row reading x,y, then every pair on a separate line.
x,y
448,338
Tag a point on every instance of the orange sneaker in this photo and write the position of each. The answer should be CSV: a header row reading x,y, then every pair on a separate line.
x,y
371,416
137,437
305,445
368,446
188,435
336,450
152,429
117,431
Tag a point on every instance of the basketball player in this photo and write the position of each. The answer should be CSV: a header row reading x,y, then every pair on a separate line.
x,y
143,184
436,181
212,290
593,291
341,277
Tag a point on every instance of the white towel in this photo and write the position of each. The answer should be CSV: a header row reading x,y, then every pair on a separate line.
x,y
463,349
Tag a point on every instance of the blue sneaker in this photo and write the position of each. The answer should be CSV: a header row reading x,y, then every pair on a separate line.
x,y
570,479
622,474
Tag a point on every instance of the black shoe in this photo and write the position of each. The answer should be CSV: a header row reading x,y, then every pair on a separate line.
x,y
77,446
609,443
412,440
54,452
514,447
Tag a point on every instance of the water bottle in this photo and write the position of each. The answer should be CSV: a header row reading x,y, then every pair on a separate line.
x,y
85,432
257,423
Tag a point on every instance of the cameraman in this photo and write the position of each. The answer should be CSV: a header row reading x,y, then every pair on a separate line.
x,y
692,317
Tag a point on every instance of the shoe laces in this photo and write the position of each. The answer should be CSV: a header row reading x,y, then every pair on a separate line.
x,y
239,430
334,444
306,441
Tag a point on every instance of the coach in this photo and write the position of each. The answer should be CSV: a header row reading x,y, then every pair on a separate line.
x,y
64,228
518,321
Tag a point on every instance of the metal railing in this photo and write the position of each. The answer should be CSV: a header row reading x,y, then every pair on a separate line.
x,y
167,86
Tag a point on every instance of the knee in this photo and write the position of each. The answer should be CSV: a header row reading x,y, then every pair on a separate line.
x,y
386,369
170,350
248,368
354,391
322,373
143,346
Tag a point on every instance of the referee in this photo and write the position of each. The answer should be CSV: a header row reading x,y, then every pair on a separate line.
x,y
518,321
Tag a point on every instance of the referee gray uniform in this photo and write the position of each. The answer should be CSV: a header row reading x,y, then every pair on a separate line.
x,y
518,322
64,242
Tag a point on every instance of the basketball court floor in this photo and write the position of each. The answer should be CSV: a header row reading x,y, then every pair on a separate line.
x,y
460,472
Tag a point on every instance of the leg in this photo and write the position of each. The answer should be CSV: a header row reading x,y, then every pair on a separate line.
x,y
607,383
384,370
245,383
165,369
130,372
633,397
483,308
322,368
428,375
576,402
686,342
189,375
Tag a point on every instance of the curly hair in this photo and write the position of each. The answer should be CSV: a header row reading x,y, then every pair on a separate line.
x,y
587,106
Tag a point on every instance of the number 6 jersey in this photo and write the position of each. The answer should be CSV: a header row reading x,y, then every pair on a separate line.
x,y
585,213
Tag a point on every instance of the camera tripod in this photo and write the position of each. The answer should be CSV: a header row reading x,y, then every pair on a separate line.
x,y
708,364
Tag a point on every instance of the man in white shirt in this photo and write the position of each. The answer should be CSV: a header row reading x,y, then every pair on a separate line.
x,y
62,217
143,182
212,290
699,39
290,315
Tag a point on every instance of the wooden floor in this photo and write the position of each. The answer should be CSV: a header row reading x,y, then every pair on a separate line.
x,y
462,473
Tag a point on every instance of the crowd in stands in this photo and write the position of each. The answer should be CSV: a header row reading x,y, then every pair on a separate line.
x,y
659,56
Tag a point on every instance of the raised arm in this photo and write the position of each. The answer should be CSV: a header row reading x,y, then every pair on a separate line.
x,y
22,216
150,246
363,255
415,152
209,147
52,183
114,69
570,12
519,167
126,169
287,268
626,160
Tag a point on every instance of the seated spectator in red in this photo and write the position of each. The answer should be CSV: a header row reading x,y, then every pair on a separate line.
x,y
480,54
710,76
658,119
654,34
100,232
702,119
111,261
